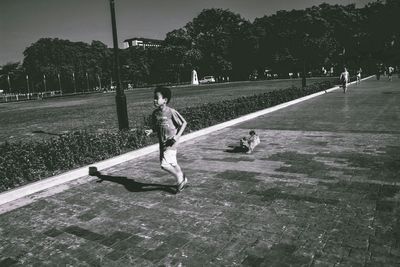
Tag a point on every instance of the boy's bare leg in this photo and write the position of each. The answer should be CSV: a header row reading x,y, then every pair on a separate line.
x,y
251,147
175,171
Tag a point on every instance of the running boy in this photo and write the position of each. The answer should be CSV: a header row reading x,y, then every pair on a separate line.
x,y
344,79
169,126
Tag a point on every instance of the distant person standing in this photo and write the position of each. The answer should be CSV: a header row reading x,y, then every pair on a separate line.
x,y
390,72
378,71
344,79
359,76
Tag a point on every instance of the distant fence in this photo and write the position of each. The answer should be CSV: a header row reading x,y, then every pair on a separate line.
x,y
5,98
30,96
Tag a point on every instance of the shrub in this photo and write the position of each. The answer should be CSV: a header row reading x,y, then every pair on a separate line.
x,y
21,163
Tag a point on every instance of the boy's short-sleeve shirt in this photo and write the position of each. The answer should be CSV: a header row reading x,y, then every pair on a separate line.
x,y
166,123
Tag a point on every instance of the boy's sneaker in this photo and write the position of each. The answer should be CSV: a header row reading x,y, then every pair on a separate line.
x,y
182,185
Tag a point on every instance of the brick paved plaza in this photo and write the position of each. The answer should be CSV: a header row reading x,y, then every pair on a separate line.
x,y
321,189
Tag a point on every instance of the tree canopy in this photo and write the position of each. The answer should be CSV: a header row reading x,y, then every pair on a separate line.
x,y
222,43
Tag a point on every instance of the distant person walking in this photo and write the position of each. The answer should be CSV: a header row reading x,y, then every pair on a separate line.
x,y
390,72
359,76
169,126
378,71
344,79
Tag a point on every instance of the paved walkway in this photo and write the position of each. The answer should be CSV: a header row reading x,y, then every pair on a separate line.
x,y
322,189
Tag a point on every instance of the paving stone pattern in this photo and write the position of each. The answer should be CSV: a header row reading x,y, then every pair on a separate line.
x,y
311,194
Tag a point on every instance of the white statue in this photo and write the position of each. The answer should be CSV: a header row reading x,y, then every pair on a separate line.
x,y
195,80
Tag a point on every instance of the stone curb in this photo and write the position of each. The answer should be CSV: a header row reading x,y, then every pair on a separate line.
x,y
47,183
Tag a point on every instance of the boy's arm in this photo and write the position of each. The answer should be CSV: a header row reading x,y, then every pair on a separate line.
x,y
181,122
153,129
181,129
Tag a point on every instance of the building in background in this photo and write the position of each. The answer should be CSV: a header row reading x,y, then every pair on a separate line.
x,y
142,42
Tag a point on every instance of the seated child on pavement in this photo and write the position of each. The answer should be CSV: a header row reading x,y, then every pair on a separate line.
x,y
249,143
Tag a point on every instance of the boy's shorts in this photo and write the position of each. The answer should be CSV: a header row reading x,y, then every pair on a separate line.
x,y
168,158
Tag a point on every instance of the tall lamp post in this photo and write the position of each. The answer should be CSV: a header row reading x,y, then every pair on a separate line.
x,y
343,54
99,80
27,84
44,83
73,80
303,76
87,81
59,82
120,97
9,83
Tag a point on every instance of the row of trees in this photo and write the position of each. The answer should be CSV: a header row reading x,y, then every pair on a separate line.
x,y
221,43
76,66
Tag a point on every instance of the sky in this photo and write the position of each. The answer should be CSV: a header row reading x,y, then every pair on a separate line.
x,y
23,22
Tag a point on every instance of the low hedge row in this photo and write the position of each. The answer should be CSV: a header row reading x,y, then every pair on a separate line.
x,y
25,162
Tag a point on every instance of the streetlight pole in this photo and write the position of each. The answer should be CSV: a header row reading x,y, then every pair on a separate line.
x,y
27,84
59,82
87,81
9,83
305,50
44,82
73,80
344,57
98,78
120,97
303,78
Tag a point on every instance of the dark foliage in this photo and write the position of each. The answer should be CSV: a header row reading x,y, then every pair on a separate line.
x,y
221,43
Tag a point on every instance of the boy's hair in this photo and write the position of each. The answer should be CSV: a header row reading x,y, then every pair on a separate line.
x,y
164,91
252,132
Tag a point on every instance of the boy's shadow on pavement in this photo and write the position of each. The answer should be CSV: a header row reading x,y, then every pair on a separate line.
x,y
133,186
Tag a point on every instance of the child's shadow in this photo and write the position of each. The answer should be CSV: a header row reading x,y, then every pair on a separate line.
x,y
133,186
236,149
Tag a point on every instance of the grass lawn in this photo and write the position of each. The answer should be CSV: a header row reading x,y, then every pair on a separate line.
x,y
96,112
